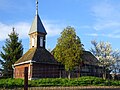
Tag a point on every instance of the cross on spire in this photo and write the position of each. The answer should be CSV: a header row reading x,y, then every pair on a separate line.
x,y
13,28
36,7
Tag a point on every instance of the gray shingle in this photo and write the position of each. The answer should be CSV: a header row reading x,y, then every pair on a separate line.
x,y
37,26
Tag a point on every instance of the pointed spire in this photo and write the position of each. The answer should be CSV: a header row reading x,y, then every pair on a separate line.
x,y
13,28
37,25
36,7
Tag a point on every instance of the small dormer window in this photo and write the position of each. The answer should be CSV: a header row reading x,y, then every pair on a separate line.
x,y
41,41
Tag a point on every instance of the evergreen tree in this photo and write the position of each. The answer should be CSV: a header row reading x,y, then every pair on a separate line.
x,y
69,49
12,51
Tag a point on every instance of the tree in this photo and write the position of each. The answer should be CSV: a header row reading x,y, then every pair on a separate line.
x,y
12,51
69,49
115,67
105,54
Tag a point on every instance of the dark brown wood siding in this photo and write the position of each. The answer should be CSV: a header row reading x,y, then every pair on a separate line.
x,y
45,71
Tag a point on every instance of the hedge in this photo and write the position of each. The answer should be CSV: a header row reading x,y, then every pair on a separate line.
x,y
47,82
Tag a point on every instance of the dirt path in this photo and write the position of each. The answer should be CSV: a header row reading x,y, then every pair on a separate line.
x,y
71,88
77,88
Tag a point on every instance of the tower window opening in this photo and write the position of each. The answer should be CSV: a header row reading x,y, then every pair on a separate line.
x,y
33,42
41,41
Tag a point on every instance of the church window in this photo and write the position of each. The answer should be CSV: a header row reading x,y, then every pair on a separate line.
x,y
41,41
33,42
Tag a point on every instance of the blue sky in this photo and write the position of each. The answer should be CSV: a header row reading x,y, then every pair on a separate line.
x,y
93,20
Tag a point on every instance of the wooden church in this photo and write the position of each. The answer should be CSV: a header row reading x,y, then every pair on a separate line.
x,y
40,62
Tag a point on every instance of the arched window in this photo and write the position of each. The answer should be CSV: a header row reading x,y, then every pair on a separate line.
x,y
41,41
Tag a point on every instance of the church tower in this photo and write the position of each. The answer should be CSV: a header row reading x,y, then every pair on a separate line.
x,y
37,32
39,61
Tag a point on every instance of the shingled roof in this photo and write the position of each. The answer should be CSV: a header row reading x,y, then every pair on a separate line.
x,y
37,26
89,58
38,55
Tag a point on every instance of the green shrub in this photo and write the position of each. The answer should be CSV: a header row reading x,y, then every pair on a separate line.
x,y
11,83
115,83
45,82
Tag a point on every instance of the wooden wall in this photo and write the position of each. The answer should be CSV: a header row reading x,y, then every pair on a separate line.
x,y
37,70
19,71
45,71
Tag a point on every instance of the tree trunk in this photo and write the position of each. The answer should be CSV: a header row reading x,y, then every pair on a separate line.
x,y
104,73
79,71
69,74
60,74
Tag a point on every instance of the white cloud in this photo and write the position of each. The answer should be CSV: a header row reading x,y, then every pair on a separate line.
x,y
106,15
4,30
22,28
85,27
107,25
53,28
114,34
92,34
103,10
107,19
111,35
